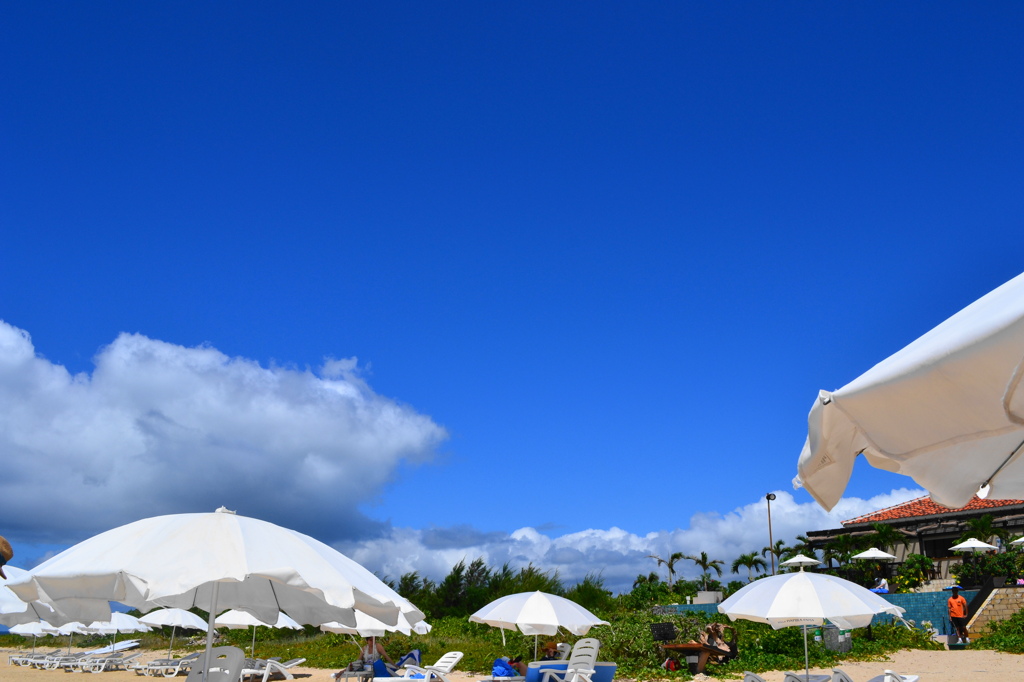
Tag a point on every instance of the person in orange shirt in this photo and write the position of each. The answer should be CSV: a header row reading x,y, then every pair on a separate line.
x,y
957,607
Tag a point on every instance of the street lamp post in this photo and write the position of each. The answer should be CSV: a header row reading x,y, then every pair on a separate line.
x,y
771,542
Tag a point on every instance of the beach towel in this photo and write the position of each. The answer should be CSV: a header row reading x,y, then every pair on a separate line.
x,y
502,668
411,657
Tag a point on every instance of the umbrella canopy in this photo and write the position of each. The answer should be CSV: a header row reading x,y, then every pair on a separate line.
x,y
238,620
175,618
1018,541
806,599
801,561
37,629
119,622
874,553
368,626
211,561
537,613
947,410
179,618
972,545
14,611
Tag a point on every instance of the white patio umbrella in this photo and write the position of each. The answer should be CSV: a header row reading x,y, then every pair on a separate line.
x,y
874,553
71,629
972,545
368,626
804,599
801,561
536,613
947,410
1018,541
34,630
212,561
176,618
239,620
119,622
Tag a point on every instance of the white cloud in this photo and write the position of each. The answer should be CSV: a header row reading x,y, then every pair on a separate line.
x,y
160,428
617,554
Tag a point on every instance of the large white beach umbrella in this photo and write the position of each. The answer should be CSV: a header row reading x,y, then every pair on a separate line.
x,y
972,545
947,410
804,599
213,561
536,613
239,620
874,553
175,618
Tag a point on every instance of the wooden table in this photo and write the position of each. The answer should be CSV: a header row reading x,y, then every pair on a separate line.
x,y
694,650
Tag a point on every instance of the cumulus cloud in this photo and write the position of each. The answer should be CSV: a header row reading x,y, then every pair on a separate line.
x,y
619,556
160,428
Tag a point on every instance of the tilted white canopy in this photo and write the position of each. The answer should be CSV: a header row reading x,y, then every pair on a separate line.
x,y
947,410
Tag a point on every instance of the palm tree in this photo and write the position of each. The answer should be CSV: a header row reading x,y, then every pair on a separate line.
x,y
804,546
886,537
778,550
707,565
844,546
983,529
670,563
751,562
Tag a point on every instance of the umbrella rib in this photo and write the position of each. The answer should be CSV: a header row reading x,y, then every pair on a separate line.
x,y
273,592
1016,451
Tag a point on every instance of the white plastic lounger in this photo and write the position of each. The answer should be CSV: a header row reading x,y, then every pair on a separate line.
x,y
168,667
439,670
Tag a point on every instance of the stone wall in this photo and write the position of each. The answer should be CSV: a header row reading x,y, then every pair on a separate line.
x,y
1000,605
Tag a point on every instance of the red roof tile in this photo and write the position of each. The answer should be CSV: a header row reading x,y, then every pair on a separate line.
x,y
924,506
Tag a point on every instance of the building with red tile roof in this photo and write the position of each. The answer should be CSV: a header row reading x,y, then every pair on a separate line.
x,y
929,528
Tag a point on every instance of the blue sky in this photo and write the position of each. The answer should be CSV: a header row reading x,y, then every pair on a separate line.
x,y
429,280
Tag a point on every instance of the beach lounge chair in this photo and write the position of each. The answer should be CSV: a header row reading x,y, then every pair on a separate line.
x,y
273,668
580,667
225,665
839,676
751,677
802,677
890,676
440,670
99,664
168,667
564,648
28,659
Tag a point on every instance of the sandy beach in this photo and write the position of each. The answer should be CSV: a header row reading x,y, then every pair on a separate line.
x,y
931,666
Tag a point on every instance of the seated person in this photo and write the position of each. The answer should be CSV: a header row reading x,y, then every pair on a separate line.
x,y
370,653
881,587
550,651
713,637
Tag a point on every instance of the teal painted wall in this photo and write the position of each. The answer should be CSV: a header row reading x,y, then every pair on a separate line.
x,y
919,607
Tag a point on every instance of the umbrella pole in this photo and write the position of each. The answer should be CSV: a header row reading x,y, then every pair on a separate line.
x,y
535,647
807,660
173,628
252,649
210,628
